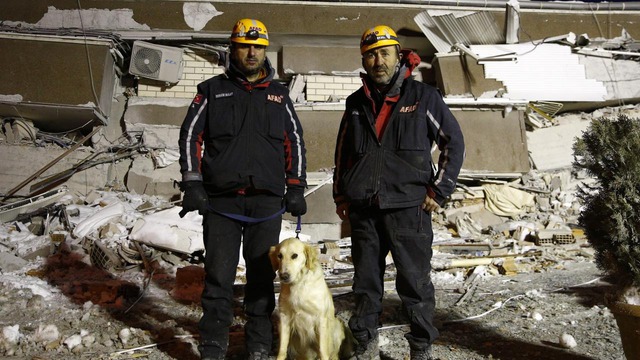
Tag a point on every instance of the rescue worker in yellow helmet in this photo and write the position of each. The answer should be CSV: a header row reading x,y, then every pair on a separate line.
x,y
252,169
387,185
249,39
378,36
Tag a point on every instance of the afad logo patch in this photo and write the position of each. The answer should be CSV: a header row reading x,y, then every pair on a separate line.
x,y
409,109
275,98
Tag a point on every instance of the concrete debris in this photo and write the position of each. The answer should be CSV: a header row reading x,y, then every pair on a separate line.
x,y
567,341
165,229
98,219
10,262
12,211
504,200
505,231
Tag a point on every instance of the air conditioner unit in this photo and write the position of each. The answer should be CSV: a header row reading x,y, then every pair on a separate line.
x,y
157,62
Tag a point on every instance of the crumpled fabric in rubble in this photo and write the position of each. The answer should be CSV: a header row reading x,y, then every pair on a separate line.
x,y
504,200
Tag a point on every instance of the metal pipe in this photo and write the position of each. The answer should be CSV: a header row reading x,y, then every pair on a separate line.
x,y
536,5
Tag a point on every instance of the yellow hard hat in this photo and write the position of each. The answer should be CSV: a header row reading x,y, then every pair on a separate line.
x,y
250,31
376,37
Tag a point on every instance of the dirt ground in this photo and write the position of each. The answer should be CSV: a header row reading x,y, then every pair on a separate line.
x,y
98,315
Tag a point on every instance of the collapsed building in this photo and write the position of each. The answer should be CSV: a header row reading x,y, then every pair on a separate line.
x,y
129,70
95,93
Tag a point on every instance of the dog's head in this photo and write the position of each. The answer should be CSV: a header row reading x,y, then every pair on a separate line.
x,y
291,258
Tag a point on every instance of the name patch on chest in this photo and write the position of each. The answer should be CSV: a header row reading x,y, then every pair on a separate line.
x,y
223,95
409,109
275,98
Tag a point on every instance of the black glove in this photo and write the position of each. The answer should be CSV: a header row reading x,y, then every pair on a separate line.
x,y
294,201
195,197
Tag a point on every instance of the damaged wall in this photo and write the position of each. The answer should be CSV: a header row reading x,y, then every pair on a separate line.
x,y
494,141
314,22
458,74
47,71
53,71
317,39
14,169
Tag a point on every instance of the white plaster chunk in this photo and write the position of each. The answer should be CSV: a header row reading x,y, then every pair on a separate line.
x,y
166,157
16,98
170,102
197,14
125,335
46,333
567,341
90,19
165,229
72,341
11,334
99,218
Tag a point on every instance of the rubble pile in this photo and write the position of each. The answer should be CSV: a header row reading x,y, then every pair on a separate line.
x,y
95,249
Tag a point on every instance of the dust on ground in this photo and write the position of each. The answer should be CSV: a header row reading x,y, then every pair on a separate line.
x,y
95,314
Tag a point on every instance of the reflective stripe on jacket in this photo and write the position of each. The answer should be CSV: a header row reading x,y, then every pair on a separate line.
x,y
250,133
396,170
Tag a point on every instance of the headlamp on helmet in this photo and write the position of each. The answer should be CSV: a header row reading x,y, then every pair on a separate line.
x,y
376,37
250,31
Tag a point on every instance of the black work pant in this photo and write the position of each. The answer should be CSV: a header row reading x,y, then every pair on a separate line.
x,y
222,240
408,235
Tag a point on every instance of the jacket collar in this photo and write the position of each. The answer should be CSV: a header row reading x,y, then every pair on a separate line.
x,y
236,75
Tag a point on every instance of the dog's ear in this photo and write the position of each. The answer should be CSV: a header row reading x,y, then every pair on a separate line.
x,y
273,257
311,254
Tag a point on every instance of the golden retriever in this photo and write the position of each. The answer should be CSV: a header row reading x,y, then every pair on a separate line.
x,y
308,326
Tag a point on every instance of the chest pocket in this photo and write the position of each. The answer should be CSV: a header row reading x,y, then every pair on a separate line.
x,y
413,133
223,120
361,132
274,122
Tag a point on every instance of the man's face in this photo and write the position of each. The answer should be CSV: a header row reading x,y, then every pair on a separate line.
x,y
380,64
248,58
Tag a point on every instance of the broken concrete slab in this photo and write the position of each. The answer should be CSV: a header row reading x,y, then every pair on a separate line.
x,y
156,136
551,148
12,210
10,262
145,178
157,111
19,162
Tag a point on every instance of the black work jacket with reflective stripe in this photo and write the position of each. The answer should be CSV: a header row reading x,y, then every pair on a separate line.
x,y
396,170
250,133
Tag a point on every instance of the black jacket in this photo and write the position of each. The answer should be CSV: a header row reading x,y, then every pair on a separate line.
x,y
250,133
396,170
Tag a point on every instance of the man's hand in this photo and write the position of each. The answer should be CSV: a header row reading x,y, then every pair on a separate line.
x,y
294,202
343,210
430,204
195,197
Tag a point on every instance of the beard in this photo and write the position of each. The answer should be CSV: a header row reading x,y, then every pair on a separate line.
x,y
381,75
249,69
